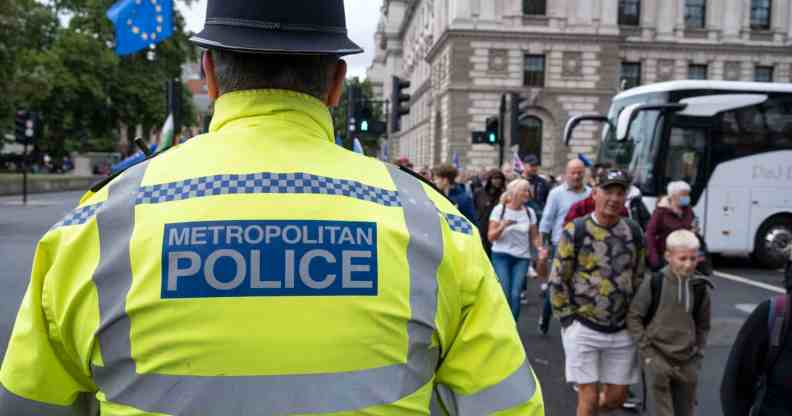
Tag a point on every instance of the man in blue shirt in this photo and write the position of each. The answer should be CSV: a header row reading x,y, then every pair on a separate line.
x,y
558,203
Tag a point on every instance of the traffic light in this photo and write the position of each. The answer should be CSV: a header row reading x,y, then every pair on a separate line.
x,y
363,116
492,131
353,97
399,102
26,123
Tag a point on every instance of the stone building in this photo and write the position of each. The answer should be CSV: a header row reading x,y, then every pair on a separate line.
x,y
565,57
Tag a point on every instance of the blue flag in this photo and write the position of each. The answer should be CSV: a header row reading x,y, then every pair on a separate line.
x,y
140,23
586,161
455,161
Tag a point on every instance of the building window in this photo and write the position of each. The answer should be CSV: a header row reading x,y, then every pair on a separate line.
x,y
695,13
534,71
530,134
763,74
535,7
630,12
760,14
697,72
630,75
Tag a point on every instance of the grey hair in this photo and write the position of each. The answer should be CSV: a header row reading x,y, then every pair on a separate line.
x,y
682,239
308,74
512,189
677,187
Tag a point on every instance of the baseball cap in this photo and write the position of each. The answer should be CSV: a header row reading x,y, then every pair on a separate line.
x,y
531,160
614,177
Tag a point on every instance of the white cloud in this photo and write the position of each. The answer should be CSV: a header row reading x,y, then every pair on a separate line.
x,y
362,19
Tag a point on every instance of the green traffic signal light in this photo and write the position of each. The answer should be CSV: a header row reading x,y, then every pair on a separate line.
x,y
364,125
493,138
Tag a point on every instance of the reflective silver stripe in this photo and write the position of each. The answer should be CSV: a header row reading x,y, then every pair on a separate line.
x,y
11,404
519,388
435,408
271,394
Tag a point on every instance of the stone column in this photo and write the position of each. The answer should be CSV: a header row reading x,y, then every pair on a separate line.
x,y
746,20
649,18
595,11
716,70
460,10
571,13
665,19
609,17
732,22
715,12
779,20
788,27
679,18
475,9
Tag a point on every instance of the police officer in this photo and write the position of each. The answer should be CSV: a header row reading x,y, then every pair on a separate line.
x,y
260,269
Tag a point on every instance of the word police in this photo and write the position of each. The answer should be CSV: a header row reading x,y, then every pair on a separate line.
x,y
269,258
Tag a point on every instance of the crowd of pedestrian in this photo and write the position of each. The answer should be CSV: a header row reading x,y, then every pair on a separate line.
x,y
629,288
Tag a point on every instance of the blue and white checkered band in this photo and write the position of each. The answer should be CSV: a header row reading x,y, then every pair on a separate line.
x,y
261,183
265,183
78,216
459,224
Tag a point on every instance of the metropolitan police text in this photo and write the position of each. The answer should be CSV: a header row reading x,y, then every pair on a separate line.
x,y
269,258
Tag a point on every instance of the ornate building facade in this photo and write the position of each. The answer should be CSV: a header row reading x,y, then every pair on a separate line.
x,y
566,57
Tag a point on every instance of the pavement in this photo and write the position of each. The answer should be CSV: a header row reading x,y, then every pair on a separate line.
x,y
739,288
21,226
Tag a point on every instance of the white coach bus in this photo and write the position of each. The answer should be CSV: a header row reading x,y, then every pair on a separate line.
x,y
731,141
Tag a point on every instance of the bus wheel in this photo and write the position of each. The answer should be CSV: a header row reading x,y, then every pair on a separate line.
x,y
771,241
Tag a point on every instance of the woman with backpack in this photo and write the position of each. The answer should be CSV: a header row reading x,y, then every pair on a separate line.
x,y
756,381
512,230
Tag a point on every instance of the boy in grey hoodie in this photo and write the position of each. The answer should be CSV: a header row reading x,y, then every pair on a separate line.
x,y
672,333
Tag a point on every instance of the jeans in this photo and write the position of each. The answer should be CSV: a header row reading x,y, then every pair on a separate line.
x,y
547,308
511,273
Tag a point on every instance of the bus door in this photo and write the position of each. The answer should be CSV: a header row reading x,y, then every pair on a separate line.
x,y
684,157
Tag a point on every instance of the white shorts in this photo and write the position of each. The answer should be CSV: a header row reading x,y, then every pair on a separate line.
x,y
598,357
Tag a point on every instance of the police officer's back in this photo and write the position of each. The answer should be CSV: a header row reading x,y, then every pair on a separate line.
x,y
260,269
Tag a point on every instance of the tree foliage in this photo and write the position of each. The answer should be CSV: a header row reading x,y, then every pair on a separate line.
x,y
56,58
341,118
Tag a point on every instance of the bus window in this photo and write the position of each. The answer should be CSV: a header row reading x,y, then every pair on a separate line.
x,y
646,132
686,151
737,134
778,114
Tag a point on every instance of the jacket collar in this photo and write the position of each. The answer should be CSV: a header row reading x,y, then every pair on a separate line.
x,y
291,106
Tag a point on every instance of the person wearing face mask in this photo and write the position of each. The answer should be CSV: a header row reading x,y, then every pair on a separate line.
x,y
673,213
669,319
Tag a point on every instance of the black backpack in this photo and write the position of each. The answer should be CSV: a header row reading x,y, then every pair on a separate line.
x,y
699,290
777,328
638,212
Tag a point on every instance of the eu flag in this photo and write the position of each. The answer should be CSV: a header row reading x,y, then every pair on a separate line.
x,y
140,23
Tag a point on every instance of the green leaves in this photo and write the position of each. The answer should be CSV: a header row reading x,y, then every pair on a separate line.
x,y
57,59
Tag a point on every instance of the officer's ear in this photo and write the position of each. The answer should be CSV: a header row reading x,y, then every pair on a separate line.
x,y
337,84
207,61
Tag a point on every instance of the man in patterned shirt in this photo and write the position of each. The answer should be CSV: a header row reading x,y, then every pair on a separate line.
x,y
598,267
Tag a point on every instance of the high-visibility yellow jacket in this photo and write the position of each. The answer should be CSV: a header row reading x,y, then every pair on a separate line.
x,y
262,270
